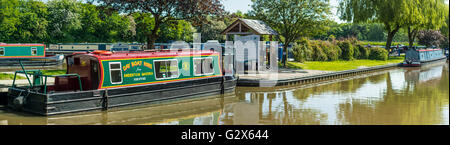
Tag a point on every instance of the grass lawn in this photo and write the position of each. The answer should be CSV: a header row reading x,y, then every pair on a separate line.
x,y
53,72
4,76
342,65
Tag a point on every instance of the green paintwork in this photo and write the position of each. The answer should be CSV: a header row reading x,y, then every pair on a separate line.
x,y
139,74
21,51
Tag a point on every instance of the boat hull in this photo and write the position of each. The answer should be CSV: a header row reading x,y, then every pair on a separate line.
x,y
45,61
71,102
418,64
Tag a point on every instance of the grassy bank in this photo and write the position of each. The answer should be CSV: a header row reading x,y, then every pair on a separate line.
x,y
341,65
384,43
4,76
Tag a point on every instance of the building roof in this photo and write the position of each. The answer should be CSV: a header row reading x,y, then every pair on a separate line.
x,y
248,26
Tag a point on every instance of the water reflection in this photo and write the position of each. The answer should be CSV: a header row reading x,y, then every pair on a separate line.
x,y
193,111
397,96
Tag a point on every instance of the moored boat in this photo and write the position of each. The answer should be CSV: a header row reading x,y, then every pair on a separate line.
x,y
29,54
415,58
105,79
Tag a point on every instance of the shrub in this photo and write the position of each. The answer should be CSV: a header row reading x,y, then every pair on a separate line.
x,y
356,52
331,50
347,50
298,52
305,50
318,54
377,53
364,52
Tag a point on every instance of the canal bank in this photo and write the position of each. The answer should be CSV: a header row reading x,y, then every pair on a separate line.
x,y
298,77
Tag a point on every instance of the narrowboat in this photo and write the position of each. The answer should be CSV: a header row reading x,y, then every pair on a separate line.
x,y
105,79
29,54
416,58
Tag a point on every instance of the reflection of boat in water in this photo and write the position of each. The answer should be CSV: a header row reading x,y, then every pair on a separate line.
x,y
419,57
424,73
187,111
28,54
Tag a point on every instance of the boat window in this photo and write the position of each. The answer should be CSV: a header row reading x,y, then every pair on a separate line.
x,y
166,69
2,51
203,66
33,51
115,72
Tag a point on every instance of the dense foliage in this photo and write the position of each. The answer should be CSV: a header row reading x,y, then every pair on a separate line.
x,y
348,49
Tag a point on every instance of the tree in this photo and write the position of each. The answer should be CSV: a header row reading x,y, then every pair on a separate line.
x,y
212,30
423,14
430,38
64,18
9,19
293,19
388,12
166,11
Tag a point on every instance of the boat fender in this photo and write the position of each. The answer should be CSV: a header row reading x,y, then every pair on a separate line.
x,y
18,102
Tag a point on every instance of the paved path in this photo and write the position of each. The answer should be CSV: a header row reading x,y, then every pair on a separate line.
x,y
282,74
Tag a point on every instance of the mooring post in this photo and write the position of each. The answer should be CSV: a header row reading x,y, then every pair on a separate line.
x,y
105,100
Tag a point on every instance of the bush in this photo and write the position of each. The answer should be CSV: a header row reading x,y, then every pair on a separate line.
x,y
302,50
331,50
364,52
377,53
299,53
347,50
318,54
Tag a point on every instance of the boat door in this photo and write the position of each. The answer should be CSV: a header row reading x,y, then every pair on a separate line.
x,y
95,75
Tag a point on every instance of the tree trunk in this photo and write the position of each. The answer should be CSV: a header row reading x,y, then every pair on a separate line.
x,y
285,54
390,36
151,39
411,36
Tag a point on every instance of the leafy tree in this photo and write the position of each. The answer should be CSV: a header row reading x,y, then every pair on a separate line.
x,y
430,38
64,20
423,14
9,19
388,12
212,30
293,19
180,30
167,11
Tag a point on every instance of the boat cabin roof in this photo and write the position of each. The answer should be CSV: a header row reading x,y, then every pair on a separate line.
x,y
428,49
4,44
108,55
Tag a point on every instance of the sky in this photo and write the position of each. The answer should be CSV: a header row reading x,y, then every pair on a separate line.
x,y
244,6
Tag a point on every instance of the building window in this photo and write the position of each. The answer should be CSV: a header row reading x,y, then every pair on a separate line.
x,y
166,69
115,72
203,66
2,51
33,51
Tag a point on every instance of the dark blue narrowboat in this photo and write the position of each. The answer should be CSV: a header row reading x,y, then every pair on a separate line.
x,y
415,58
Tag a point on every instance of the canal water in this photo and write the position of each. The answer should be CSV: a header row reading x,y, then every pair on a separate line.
x,y
399,96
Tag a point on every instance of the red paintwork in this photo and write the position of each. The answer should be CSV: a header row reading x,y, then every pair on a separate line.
x,y
411,65
149,54
429,49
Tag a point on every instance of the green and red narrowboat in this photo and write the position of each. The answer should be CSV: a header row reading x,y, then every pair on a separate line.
x,y
104,79
29,54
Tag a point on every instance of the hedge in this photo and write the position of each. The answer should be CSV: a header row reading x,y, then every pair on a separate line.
x,y
347,50
377,53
